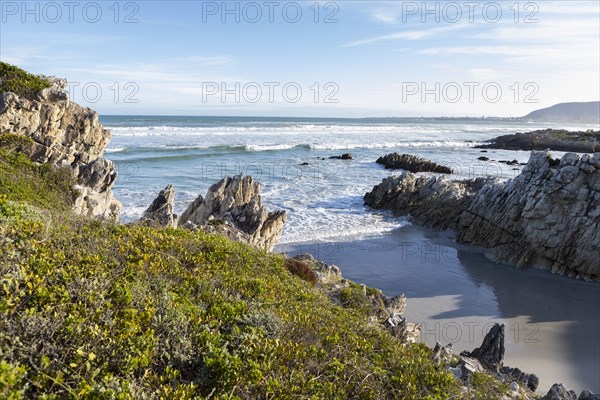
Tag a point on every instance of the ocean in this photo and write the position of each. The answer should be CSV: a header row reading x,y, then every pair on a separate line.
x,y
552,322
323,198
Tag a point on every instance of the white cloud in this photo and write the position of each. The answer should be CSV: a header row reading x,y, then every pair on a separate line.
x,y
407,35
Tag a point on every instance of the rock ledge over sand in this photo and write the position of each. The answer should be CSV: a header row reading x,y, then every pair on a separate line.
x,y
547,217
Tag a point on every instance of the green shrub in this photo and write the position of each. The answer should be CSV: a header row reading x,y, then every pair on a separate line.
x,y
38,185
14,79
486,387
12,386
16,143
93,310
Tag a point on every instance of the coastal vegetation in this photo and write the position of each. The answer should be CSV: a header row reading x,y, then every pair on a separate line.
x,y
92,309
14,79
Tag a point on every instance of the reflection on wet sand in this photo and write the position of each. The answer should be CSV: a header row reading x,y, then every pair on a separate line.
x,y
552,322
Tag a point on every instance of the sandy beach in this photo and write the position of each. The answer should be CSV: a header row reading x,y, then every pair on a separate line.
x,y
552,323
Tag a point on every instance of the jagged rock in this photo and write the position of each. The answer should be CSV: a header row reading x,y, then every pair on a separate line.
x,y
160,212
237,203
559,392
65,134
432,201
345,156
587,395
394,305
530,380
442,354
396,325
411,163
491,352
468,365
546,217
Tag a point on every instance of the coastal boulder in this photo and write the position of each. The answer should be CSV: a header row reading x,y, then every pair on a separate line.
x,y
160,212
411,163
65,134
234,206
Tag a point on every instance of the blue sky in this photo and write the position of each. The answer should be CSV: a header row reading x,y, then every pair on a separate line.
x,y
352,59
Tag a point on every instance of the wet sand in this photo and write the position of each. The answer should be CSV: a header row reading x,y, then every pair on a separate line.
x,y
552,323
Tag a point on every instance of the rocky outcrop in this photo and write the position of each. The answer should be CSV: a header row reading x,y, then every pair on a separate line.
x,y
491,352
559,392
488,359
160,212
546,217
381,309
432,201
552,139
411,163
233,207
65,134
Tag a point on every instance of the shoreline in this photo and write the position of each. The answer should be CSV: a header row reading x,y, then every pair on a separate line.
x,y
456,294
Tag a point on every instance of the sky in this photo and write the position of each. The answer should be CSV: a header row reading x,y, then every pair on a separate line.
x,y
310,58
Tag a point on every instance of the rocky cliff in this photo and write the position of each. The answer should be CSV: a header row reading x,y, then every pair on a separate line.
x,y
65,134
547,217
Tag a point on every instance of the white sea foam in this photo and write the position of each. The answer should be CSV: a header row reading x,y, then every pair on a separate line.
x,y
323,198
114,149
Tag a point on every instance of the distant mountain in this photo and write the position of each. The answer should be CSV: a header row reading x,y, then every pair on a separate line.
x,y
588,112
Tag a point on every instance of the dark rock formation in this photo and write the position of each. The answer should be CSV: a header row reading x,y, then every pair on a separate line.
x,y
160,212
587,395
546,217
552,139
483,158
487,358
530,380
411,163
65,134
233,207
559,392
345,156
491,352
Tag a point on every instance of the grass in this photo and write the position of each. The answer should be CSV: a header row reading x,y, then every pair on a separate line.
x,y
14,79
94,310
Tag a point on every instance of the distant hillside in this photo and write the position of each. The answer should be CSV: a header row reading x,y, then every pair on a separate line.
x,y
588,112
